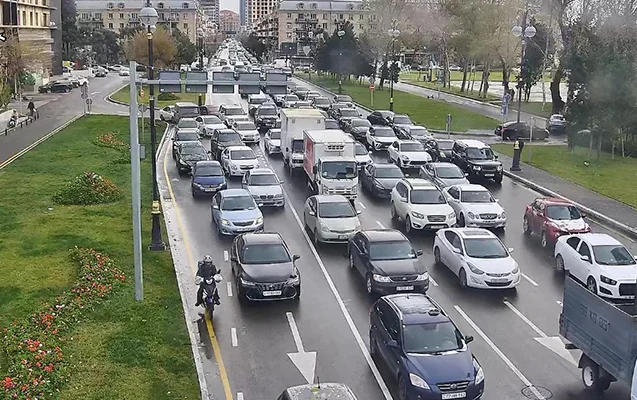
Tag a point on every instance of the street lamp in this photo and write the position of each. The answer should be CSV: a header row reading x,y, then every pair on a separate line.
x,y
340,34
393,33
200,35
149,17
527,32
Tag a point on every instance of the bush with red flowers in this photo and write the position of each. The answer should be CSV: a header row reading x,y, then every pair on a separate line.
x,y
88,188
114,140
37,367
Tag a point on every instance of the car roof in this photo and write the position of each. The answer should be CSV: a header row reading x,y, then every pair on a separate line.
x,y
185,119
331,198
599,239
188,143
473,187
409,142
261,238
386,166
473,232
210,163
410,127
261,171
417,183
442,164
417,308
473,143
235,193
232,106
239,147
384,235
382,127
226,130
402,115
554,200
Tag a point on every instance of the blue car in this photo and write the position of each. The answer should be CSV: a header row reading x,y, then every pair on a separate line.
x,y
234,212
207,178
423,349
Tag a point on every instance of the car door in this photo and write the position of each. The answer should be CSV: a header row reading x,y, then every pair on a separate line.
x,y
355,250
225,159
200,124
448,255
393,354
363,256
382,333
453,198
237,244
538,210
583,267
427,172
367,178
310,213
570,254
394,151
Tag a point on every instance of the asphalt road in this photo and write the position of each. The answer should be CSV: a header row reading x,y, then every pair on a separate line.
x,y
332,315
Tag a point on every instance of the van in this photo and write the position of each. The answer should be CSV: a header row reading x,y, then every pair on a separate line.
x,y
185,110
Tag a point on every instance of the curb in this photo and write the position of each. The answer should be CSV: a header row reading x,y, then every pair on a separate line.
x,y
109,99
625,229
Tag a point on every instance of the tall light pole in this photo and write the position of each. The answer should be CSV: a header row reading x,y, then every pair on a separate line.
x,y
523,32
149,17
340,34
393,34
200,34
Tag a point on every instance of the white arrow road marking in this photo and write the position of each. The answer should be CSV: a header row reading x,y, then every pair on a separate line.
x,y
362,205
531,281
380,224
94,93
304,362
553,343
433,282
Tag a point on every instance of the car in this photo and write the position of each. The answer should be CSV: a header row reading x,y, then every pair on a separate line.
x,y
264,268
418,343
301,92
344,98
206,124
100,73
289,100
380,117
237,160
255,100
46,88
187,125
272,141
555,125
344,114
379,137
230,110
60,87
407,154
477,159
357,127
323,390
265,116
167,113
331,124
207,178
311,95
322,103
475,206
330,218
278,99
399,120
234,212
387,261
231,119
222,138
420,205
183,136
551,217
362,155
247,130
440,150
124,72
477,257
264,186
600,262
209,110
333,110
188,154
413,132
302,104
380,179
443,174
513,130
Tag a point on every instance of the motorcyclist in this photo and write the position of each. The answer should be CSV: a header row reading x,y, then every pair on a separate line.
x,y
206,269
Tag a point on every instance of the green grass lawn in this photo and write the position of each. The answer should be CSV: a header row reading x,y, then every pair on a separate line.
x,y
125,349
606,176
457,76
123,95
411,78
430,113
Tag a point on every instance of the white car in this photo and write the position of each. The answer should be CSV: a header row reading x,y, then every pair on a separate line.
x,y
272,141
247,130
477,257
289,100
362,156
237,160
231,119
167,113
600,262
124,72
187,124
408,154
379,137
475,206
330,218
420,205
206,124
264,186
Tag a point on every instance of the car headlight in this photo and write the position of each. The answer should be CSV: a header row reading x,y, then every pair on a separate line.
x,y
278,196
475,269
477,168
418,382
225,222
381,278
294,279
259,220
451,215
233,166
324,227
516,269
499,167
404,157
479,372
354,189
607,280
503,215
417,215
442,154
471,215
422,277
245,282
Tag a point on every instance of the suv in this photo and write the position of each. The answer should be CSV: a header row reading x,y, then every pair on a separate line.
x,y
222,138
421,346
185,109
421,205
476,159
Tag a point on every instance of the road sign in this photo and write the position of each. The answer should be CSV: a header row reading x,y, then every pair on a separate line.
x,y
448,119
306,50
89,101
84,96
371,87
142,108
141,92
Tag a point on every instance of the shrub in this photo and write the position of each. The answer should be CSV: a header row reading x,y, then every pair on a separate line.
x,y
113,140
167,96
37,368
88,188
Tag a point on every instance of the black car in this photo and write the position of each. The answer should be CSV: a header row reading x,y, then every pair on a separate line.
x,y
380,117
222,138
400,120
61,87
265,117
345,114
380,179
254,101
476,159
555,125
324,390
264,268
513,130
46,88
188,154
334,108
440,150
184,136
387,261
322,103
331,124
357,127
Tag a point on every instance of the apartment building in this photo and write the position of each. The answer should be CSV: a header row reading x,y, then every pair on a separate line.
x,y
267,28
117,15
259,10
210,9
229,22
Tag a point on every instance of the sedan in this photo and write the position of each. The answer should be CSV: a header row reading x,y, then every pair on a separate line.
x,y
264,186
237,160
477,257
322,103
208,123
167,113
288,101
184,136
187,124
188,154
247,130
344,98
380,117
234,212
207,178
443,174
330,218
413,132
331,124
440,150
475,206
380,179
272,141
556,124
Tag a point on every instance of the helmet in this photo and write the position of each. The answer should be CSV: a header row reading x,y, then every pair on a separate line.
x,y
207,259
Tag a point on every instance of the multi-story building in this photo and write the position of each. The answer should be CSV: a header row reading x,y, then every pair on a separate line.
x,y
210,9
244,13
117,15
267,28
229,22
259,10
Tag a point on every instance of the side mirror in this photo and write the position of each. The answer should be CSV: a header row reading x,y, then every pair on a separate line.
x,y
392,343
314,169
468,339
466,174
457,250
215,207
172,138
209,151
369,152
497,200
403,199
419,252
585,258
511,249
281,182
295,257
584,214
359,212
233,258
287,149
312,213
495,156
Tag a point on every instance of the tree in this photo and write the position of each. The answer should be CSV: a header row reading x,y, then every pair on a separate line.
x,y
104,45
254,45
186,50
164,48
70,33
534,57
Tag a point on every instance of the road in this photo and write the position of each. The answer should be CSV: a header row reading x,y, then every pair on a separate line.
x,y
332,315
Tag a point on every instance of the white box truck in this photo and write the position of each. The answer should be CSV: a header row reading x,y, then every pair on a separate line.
x,y
329,161
293,123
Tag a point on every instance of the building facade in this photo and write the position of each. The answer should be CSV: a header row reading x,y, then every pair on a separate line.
x,y
117,15
244,13
210,9
229,22
267,28
259,10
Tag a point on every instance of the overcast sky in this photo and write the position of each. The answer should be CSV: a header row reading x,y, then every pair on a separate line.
x,y
229,5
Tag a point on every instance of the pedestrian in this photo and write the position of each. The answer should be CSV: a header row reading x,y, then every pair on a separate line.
x,y
31,108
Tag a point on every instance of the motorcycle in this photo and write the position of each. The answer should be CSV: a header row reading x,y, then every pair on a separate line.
x,y
209,293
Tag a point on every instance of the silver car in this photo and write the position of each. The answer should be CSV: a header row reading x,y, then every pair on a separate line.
x,y
264,186
330,218
272,141
443,174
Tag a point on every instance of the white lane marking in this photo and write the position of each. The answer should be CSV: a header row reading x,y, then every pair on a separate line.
x,y
531,281
380,224
295,332
239,396
525,319
233,336
433,282
362,205
225,255
560,303
500,354
229,288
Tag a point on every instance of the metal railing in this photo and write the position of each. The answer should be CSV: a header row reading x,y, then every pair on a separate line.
x,y
28,120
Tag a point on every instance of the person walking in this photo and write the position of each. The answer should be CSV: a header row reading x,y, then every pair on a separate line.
x,y
31,108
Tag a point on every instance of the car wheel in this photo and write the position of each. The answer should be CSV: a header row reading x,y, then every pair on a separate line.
x,y
192,190
498,179
392,211
402,388
559,263
174,156
461,222
591,377
240,296
315,238
462,278
350,259
591,285
544,240
407,225
219,233
525,226
437,259
369,285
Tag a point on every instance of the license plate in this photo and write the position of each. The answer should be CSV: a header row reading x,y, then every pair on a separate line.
x,y
210,189
500,280
487,175
460,395
438,226
342,237
401,288
268,293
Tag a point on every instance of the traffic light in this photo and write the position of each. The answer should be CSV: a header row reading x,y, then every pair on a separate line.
x,y
223,82
197,82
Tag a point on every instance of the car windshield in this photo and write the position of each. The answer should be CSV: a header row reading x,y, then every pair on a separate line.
x,y
321,101
187,137
336,210
476,196
343,98
265,254
427,196
402,119
275,134
419,132
562,213
485,248
245,126
258,100
389,173
361,150
234,111
339,169
236,203
209,170
349,112
194,154
394,250
432,338
479,154
263,180
291,97
267,111
211,120
613,255
412,147
558,118
384,132
449,172
246,154
361,122
229,137
187,123
445,144
331,124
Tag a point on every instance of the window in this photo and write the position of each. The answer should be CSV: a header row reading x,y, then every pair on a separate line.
x,y
453,192
98,16
361,17
300,6
185,5
121,5
401,189
37,18
45,19
350,17
84,16
312,16
289,25
289,15
31,18
185,26
110,6
160,5
121,25
340,16
573,242
288,35
110,15
133,16
585,251
324,26
350,7
121,15
313,6
110,25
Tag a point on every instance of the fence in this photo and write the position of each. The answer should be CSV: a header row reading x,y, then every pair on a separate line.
x,y
24,122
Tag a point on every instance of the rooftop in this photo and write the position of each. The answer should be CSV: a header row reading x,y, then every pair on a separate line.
x,y
384,235
99,5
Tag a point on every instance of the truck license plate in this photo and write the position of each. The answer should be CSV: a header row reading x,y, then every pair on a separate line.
x,y
488,175
269,293
460,395
404,288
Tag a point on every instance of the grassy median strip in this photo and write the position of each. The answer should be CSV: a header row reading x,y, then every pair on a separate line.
x,y
124,349
605,176
123,95
427,112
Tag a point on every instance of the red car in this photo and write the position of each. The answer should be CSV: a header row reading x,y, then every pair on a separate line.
x,y
551,218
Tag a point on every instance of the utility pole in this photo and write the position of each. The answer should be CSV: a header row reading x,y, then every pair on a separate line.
x,y
136,188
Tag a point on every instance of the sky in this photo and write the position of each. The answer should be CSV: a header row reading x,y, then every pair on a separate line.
x,y
229,5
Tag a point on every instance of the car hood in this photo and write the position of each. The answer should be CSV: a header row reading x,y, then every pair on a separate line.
x,y
269,273
448,367
620,273
408,266
384,139
241,215
264,190
275,142
209,180
387,183
230,143
342,224
360,129
215,126
363,158
494,265
484,208
454,181
184,130
432,209
251,132
571,225
402,125
417,156
485,163
253,162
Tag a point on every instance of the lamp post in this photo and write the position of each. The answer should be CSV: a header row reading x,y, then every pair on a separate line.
x,y
524,32
393,34
200,34
340,34
149,17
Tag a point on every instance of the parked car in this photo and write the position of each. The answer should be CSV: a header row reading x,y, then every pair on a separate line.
x,y
550,218
333,110
362,156
322,103
230,110
344,98
207,124
330,218
413,132
247,130
60,87
331,124
380,179
234,212
357,127
183,136
514,130
207,178
222,138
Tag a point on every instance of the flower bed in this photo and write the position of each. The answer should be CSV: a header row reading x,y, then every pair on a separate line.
x,y
88,188
111,140
37,368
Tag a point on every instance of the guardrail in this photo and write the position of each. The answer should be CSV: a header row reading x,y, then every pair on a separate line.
x,y
24,122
